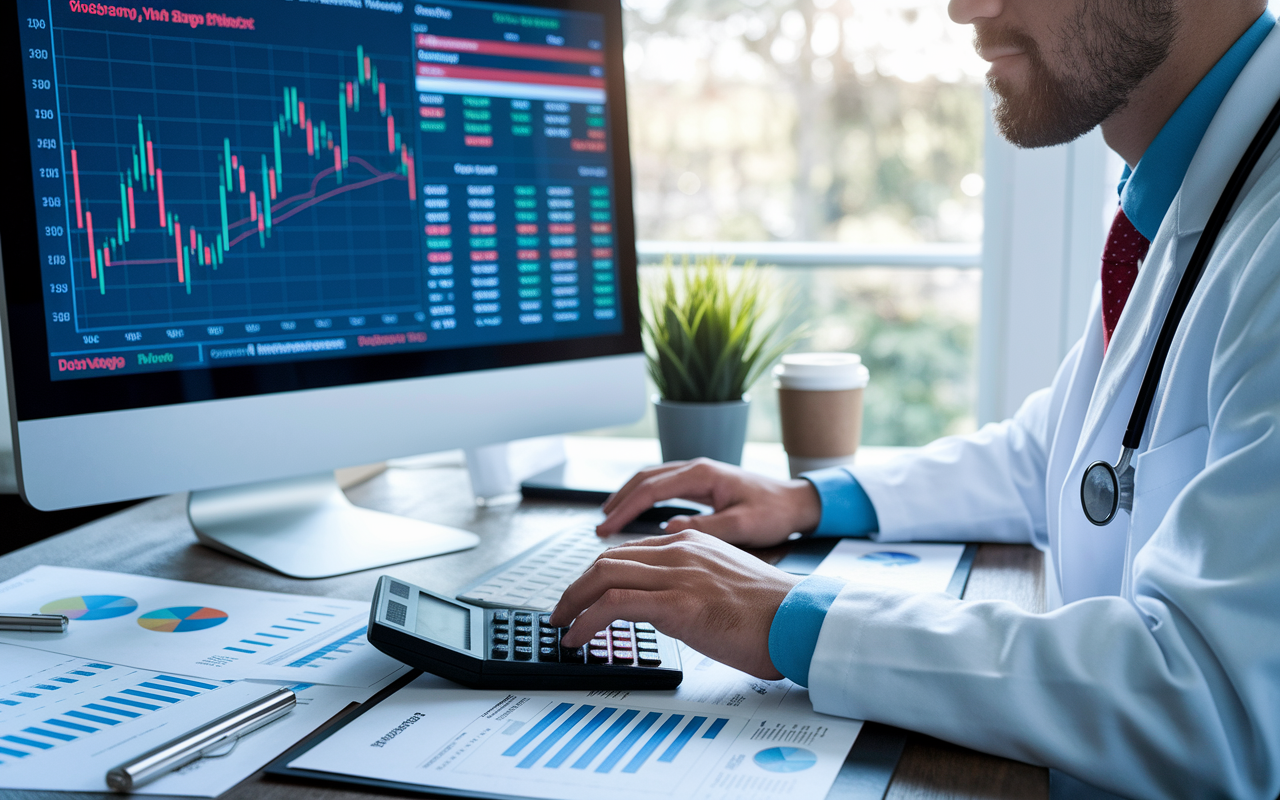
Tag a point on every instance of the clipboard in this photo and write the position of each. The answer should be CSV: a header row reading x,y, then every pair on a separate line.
x,y
865,775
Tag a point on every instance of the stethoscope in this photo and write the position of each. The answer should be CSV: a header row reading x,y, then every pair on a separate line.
x,y
1107,488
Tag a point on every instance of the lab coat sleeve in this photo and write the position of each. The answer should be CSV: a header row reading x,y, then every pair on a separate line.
x,y
1172,693
987,486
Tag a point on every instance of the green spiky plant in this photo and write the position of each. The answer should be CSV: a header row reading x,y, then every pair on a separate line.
x,y
710,334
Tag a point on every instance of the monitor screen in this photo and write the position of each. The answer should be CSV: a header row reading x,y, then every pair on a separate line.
x,y
242,197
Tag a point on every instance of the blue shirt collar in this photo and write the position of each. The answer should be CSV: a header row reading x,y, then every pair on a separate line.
x,y
1147,191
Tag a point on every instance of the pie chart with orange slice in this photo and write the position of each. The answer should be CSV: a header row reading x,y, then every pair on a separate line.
x,y
182,619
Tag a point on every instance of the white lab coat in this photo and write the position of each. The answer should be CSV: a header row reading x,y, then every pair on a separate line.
x,y
1156,673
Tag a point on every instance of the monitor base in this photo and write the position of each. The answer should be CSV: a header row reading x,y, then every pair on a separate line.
x,y
307,528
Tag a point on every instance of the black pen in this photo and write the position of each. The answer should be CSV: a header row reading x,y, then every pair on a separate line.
x,y
34,623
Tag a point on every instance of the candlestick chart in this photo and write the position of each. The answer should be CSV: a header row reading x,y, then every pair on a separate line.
x,y
224,180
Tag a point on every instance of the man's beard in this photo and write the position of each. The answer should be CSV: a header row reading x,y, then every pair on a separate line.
x,y
1107,49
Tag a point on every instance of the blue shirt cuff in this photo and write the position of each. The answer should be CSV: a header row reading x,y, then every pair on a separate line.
x,y
846,509
794,634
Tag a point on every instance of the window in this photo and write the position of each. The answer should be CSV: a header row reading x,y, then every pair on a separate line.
x,y
843,141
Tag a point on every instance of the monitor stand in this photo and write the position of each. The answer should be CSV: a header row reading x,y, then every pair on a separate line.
x,y
307,528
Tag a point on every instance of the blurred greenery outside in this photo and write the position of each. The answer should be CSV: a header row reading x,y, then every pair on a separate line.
x,y
915,330
856,121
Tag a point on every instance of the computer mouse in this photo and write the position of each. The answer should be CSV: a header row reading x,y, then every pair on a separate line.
x,y
650,520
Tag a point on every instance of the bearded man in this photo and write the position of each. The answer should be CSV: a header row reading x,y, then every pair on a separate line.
x,y
1156,673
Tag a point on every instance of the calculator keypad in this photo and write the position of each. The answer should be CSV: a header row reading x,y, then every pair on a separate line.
x,y
525,636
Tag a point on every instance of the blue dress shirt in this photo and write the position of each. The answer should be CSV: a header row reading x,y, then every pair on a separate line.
x,y
1146,192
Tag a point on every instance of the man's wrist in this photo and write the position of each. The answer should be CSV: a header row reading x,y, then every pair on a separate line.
x,y
793,636
806,505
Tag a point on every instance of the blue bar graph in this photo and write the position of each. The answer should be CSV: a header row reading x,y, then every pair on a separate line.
x,y
605,738
242,650
162,688
652,744
109,710
93,718
714,729
8,702
580,737
627,743
555,736
538,728
186,682
324,652
685,735
106,712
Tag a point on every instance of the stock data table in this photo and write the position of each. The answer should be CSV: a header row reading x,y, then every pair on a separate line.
x,y
301,180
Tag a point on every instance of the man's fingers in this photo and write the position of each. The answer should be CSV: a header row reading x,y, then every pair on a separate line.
x,y
629,604
637,479
728,524
690,480
606,574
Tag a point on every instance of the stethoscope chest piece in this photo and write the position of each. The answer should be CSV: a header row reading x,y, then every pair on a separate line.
x,y
1106,489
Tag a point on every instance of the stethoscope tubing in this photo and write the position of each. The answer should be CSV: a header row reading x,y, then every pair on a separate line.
x,y
1102,474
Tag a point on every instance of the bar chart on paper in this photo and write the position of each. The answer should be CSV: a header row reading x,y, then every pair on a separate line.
x,y
595,744
588,745
48,701
207,631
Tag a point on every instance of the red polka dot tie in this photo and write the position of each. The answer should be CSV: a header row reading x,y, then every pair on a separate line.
x,y
1124,251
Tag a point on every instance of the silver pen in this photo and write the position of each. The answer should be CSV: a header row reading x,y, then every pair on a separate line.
x,y
193,745
34,623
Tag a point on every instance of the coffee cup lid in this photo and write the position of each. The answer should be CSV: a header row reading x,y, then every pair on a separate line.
x,y
821,372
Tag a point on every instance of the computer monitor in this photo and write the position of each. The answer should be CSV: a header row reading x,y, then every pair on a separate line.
x,y
250,241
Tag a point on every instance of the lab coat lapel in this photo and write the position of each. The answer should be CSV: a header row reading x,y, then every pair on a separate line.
x,y
1113,394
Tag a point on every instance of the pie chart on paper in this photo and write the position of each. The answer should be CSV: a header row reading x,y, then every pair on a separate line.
x,y
890,558
785,759
182,619
91,606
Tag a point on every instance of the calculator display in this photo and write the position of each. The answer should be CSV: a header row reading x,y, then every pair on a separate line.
x,y
443,622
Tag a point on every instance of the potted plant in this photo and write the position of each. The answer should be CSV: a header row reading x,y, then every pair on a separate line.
x,y
709,334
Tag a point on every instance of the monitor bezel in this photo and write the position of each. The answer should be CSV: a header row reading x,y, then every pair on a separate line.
x,y
35,395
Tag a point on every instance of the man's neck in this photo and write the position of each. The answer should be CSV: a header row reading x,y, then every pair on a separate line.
x,y
1206,32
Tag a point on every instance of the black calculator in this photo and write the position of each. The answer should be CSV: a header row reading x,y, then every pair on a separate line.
x,y
497,648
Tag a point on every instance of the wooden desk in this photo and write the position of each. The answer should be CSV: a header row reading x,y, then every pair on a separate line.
x,y
154,538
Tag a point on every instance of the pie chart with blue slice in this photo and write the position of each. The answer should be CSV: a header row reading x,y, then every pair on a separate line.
x,y
785,759
182,619
91,606
891,558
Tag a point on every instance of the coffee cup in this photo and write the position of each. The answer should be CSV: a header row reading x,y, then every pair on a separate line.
x,y
820,401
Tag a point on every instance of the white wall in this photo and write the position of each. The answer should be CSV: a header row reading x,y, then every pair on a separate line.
x,y
1046,215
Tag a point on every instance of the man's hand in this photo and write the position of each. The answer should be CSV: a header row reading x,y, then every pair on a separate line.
x,y
751,510
714,597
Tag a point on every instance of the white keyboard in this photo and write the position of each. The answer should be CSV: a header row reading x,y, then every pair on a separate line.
x,y
536,578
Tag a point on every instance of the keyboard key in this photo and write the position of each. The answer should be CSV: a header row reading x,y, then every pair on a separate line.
x,y
598,642
622,636
646,637
500,653
500,638
544,620
623,656
523,618
501,616
597,656
620,625
547,641
572,654
646,627
548,653
523,653
525,630
648,659
526,640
